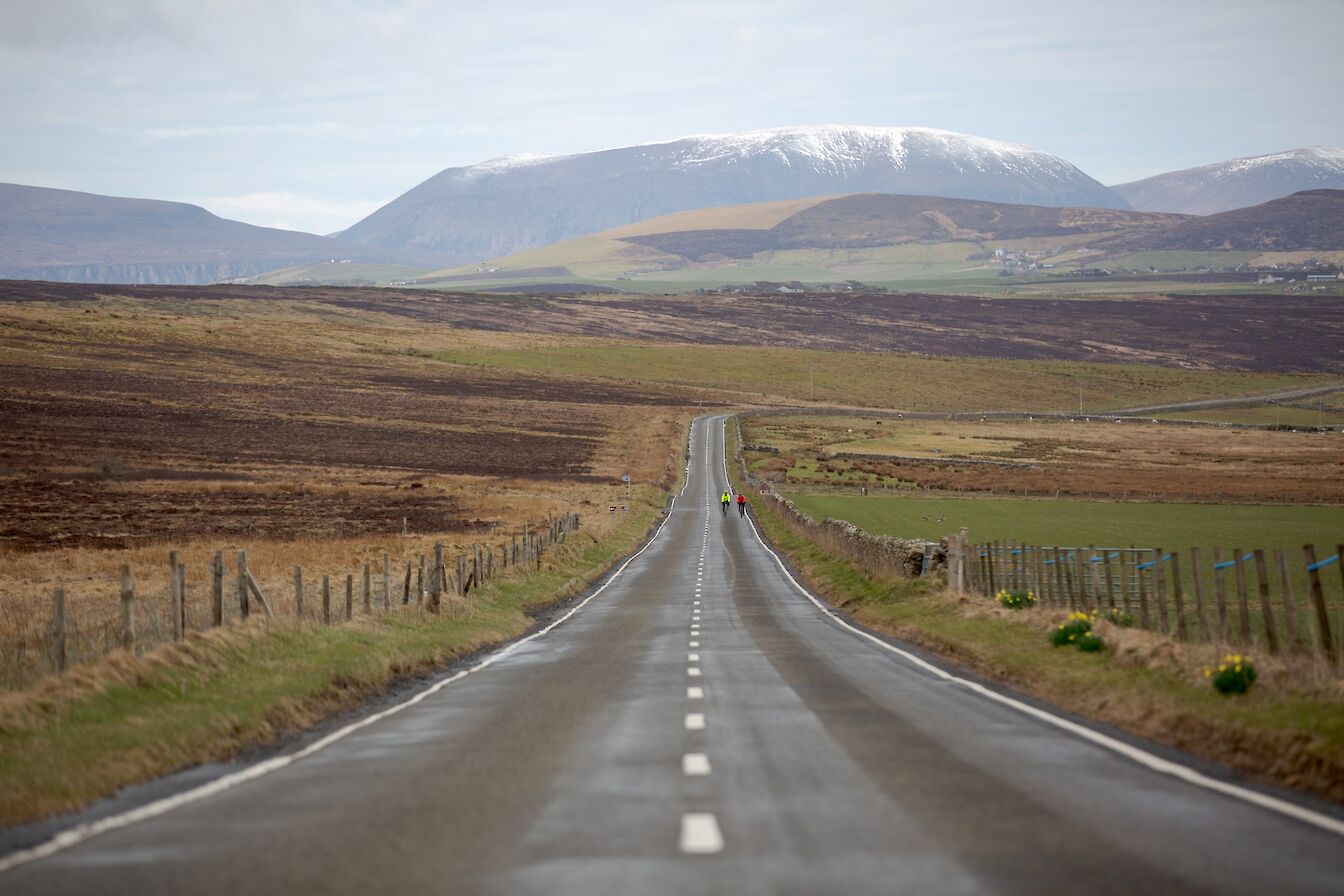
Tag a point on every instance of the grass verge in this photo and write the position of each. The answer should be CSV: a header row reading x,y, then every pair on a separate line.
x,y
1288,731
72,741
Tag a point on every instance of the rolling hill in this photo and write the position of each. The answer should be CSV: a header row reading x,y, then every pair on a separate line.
x,y
1306,221
62,235
1238,183
881,238
511,204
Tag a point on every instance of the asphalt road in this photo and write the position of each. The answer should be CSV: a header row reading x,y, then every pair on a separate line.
x,y
701,726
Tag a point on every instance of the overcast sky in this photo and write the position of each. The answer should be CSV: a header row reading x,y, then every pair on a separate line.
x,y
311,113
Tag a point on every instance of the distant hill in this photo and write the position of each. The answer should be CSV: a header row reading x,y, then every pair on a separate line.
x,y
868,221
914,241
1238,183
1310,220
519,202
63,235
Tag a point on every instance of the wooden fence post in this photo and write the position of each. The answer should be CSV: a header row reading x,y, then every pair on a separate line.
x,y
462,583
1243,605
217,589
349,597
1110,579
1160,590
256,592
1266,608
1220,595
406,595
1079,569
326,600
175,595
368,589
182,595
1198,579
436,580
1289,603
58,655
1094,575
127,609
298,592
243,604
1182,632
387,582
420,581
1143,592
1324,639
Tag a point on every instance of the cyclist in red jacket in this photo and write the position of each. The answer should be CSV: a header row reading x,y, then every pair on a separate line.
x,y
741,504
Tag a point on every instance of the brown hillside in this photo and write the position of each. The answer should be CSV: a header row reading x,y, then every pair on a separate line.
x,y
1311,219
872,219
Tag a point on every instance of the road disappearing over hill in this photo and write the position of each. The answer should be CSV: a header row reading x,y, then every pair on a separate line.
x,y
699,724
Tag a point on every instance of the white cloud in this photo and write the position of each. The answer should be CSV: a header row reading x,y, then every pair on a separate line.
x,y
289,211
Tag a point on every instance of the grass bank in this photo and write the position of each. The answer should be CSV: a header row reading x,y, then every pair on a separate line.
x,y
1288,731
122,720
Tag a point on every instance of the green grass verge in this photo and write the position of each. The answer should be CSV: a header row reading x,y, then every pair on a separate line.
x,y
126,720
1284,734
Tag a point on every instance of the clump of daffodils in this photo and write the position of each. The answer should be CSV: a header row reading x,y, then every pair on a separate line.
x,y
1234,675
1015,600
1118,617
1077,632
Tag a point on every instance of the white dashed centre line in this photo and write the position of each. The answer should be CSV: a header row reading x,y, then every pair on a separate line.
x,y
695,693
700,834
695,764
692,657
693,644
695,721
693,671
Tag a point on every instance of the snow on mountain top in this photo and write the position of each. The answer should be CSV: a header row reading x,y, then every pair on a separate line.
x,y
832,146
518,160
826,141
1328,155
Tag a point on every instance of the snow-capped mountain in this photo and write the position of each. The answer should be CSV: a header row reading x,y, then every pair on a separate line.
x,y
1238,183
517,202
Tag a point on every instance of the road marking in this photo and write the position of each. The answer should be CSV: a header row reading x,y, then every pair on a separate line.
x,y
1135,754
695,764
693,671
695,721
695,693
695,603
700,834
692,657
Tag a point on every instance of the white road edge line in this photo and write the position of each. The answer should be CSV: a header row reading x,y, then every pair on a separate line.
x,y
1135,754
80,833
700,834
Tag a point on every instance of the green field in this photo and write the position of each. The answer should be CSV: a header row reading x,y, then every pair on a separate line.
x,y
875,380
1103,523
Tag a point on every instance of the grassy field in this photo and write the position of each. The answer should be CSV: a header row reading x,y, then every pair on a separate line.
x,y
1103,523
879,380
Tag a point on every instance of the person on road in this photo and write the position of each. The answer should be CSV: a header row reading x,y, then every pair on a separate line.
x,y
741,504
724,501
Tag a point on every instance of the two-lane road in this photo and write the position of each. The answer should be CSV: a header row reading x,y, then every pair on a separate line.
x,y
700,725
